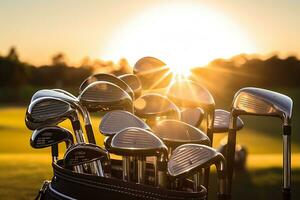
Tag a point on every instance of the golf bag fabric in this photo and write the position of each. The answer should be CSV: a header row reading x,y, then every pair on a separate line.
x,y
68,185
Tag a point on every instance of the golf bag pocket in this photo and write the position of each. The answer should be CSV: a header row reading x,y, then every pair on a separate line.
x,y
68,185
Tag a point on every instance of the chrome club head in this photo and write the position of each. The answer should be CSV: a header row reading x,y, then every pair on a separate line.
x,y
175,133
68,97
256,101
188,159
108,78
186,93
153,73
134,83
50,137
155,107
49,110
221,122
261,102
82,153
115,121
105,96
192,116
140,143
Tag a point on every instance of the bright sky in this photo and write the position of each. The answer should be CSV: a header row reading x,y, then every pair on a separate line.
x,y
190,32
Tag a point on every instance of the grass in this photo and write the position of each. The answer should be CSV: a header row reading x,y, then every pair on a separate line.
x,y
23,169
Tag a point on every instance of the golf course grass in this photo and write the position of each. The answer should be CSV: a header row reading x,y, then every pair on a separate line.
x,y
23,169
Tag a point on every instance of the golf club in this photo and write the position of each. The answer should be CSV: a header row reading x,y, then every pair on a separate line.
x,y
102,96
261,102
134,83
82,153
186,93
141,143
153,73
108,78
188,159
66,96
192,116
155,107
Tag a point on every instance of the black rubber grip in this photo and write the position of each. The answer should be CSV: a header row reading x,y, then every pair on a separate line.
x,y
286,194
90,133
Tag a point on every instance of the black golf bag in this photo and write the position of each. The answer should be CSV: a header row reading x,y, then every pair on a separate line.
x,y
68,185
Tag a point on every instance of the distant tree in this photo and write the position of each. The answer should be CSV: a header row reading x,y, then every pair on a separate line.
x,y
13,55
59,59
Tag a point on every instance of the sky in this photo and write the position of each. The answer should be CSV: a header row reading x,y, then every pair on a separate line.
x,y
180,31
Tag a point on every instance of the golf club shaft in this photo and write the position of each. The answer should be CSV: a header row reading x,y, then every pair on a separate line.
x,y
286,163
126,168
141,169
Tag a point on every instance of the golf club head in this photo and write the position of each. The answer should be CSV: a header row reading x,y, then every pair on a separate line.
x,y
65,92
134,83
192,116
56,93
186,93
135,141
153,73
221,122
108,78
46,111
105,96
156,107
83,153
256,101
48,136
175,133
115,121
187,159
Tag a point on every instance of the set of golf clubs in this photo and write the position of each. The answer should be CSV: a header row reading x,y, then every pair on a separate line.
x,y
161,129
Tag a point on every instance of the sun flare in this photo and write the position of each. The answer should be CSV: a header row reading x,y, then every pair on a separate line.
x,y
182,35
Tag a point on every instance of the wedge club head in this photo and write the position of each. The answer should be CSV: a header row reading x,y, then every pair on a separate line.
x,y
134,83
82,153
102,96
155,107
115,121
108,78
192,116
188,159
140,143
153,73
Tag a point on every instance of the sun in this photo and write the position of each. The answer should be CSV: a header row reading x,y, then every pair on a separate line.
x,y
183,35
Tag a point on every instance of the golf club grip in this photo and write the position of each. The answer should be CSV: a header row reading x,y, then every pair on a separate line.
x,y
223,197
286,194
90,133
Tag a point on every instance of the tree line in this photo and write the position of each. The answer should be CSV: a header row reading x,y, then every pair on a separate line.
x,y
18,80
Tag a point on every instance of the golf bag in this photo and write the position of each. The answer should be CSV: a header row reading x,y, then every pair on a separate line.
x,y
67,185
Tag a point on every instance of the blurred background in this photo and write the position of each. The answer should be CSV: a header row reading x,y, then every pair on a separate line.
x,y
225,45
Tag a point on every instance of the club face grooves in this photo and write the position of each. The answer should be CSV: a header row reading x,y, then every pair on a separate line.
x,y
105,96
115,121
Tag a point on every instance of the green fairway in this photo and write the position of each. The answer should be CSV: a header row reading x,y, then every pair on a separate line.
x,y
23,169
